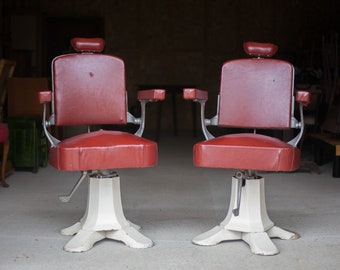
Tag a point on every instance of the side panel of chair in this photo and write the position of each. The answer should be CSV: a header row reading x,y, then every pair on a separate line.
x,y
79,83
262,99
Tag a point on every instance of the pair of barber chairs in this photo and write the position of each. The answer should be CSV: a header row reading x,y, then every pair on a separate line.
x,y
88,88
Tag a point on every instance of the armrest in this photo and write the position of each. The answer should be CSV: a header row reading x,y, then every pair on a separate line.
x,y
145,96
195,94
200,96
44,96
151,95
303,97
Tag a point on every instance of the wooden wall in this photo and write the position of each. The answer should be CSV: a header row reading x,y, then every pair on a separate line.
x,y
186,41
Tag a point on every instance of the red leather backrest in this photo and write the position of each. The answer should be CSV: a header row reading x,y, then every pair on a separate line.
x,y
256,93
89,89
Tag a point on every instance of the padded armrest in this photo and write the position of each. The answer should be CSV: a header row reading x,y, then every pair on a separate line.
x,y
200,96
303,97
195,94
145,96
45,96
151,95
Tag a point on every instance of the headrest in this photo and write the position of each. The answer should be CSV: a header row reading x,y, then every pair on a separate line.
x,y
260,49
88,44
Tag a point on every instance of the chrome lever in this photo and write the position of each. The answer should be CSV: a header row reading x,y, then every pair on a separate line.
x,y
66,198
240,175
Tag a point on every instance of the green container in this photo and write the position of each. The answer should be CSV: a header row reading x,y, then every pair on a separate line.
x,y
28,143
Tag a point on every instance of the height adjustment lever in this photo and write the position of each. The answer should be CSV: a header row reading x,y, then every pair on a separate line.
x,y
241,181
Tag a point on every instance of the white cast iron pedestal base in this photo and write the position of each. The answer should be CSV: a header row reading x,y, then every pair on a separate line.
x,y
104,218
252,225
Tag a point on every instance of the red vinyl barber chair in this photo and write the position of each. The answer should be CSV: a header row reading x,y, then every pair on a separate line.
x,y
88,88
255,93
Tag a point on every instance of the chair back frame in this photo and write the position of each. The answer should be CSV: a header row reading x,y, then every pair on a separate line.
x,y
88,89
256,93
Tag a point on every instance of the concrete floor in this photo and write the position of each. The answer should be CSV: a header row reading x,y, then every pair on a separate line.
x,y
173,202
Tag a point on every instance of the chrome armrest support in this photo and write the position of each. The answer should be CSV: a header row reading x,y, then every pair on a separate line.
x,y
47,123
206,122
132,119
299,125
138,120
145,96
212,121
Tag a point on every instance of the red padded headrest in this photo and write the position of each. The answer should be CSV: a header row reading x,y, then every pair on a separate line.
x,y
88,44
260,49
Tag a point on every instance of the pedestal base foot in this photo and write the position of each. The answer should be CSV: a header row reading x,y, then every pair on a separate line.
x,y
215,236
72,230
104,218
259,242
130,237
250,223
85,239
277,232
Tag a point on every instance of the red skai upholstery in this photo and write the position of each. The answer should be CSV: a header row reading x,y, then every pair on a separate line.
x,y
247,151
89,89
256,97
255,94
103,149
95,45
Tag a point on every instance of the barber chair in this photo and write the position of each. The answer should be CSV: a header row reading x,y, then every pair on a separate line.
x,y
88,88
255,93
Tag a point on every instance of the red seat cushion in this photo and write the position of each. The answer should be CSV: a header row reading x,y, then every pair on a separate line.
x,y
247,152
3,132
103,149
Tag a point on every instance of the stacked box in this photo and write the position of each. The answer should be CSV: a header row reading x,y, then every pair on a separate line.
x,y
28,143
